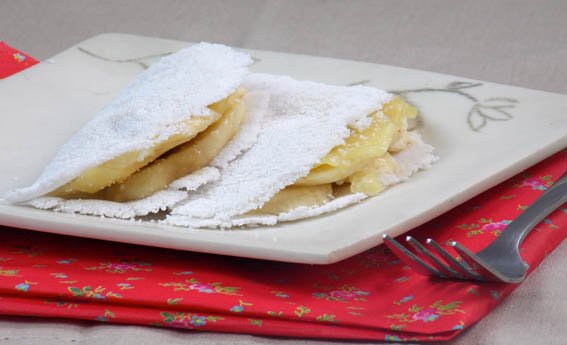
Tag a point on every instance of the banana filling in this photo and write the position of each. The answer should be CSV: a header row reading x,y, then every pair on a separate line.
x,y
136,175
358,164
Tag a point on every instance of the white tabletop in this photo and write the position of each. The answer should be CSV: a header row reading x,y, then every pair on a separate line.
x,y
518,42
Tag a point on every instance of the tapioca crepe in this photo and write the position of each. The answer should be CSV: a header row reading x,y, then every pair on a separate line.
x,y
185,113
176,191
199,138
307,123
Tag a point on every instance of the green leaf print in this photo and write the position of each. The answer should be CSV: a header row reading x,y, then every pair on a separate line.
x,y
274,314
167,317
301,310
214,318
326,317
75,291
109,314
474,233
415,308
449,306
174,301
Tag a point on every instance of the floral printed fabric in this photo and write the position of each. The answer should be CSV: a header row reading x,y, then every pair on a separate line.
x,y
12,61
370,296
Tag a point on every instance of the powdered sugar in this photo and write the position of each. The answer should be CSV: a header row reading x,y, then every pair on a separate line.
x,y
147,111
416,156
196,179
305,120
331,206
255,104
159,201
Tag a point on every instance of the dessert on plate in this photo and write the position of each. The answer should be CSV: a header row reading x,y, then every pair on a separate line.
x,y
214,146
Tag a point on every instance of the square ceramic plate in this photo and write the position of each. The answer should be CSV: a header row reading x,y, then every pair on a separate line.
x,y
483,133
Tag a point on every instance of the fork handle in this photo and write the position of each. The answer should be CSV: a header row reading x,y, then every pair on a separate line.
x,y
516,231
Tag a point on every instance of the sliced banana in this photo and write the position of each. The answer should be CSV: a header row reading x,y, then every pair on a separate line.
x,y
119,168
399,112
358,149
358,164
367,180
293,197
183,159
95,182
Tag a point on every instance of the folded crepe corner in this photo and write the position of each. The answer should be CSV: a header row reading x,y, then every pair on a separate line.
x,y
178,190
177,99
305,121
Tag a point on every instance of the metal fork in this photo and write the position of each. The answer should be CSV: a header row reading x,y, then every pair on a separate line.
x,y
500,261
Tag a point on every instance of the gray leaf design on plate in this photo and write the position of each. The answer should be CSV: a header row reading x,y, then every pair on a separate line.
x,y
493,112
143,61
456,85
481,112
510,101
475,119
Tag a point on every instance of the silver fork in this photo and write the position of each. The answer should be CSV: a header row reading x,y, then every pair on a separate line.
x,y
500,261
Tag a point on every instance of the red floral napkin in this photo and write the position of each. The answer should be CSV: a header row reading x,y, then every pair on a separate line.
x,y
370,296
13,61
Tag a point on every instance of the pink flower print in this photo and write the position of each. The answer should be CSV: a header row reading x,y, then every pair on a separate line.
x,y
66,261
19,57
534,183
343,295
123,266
187,320
204,288
493,226
192,323
180,324
426,315
118,266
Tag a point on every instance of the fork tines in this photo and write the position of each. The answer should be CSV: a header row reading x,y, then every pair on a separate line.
x,y
425,262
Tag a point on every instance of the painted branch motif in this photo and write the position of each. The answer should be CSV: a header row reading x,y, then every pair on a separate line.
x,y
140,61
479,115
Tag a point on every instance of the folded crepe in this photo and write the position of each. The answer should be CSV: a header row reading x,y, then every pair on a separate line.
x,y
321,148
167,132
217,147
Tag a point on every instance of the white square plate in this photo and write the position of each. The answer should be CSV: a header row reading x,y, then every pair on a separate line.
x,y
483,133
